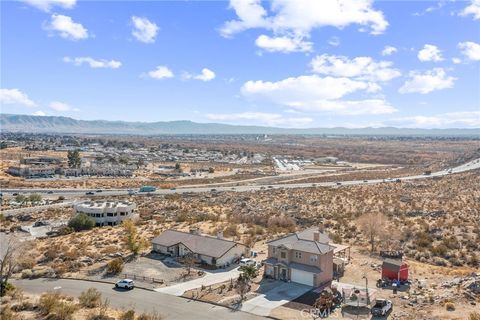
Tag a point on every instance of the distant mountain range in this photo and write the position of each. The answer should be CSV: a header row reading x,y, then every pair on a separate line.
x,y
51,124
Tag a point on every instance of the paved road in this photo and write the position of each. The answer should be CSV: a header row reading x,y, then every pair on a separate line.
x,y
169,306
72,193
210,279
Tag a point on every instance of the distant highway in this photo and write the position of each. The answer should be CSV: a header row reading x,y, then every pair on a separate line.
x,y
75,193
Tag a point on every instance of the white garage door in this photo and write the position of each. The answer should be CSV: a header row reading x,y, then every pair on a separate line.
x,y
302,277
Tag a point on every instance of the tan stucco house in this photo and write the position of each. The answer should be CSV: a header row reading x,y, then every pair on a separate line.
x,y
214,251
304,257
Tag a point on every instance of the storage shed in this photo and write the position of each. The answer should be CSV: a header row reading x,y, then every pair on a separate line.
x,y
395,269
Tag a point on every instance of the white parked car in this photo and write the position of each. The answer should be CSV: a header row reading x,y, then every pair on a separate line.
x,y
125,283
247,262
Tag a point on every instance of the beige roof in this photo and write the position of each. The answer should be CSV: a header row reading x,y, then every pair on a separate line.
x,y
200,244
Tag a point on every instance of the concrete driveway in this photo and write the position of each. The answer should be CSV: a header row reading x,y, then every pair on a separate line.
x,y
211,277
281,294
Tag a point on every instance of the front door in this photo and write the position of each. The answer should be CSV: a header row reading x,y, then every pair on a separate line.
x,y
283,275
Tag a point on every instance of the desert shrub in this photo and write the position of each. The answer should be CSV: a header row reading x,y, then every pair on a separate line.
x,y
450,306
101,313
115,266
474,316
64,311
230,230
128,315
81,222
6,313
48,302
281,222
150,316
90,298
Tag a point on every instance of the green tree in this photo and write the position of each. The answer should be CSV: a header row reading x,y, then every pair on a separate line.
x,y
81,222
178,167
74,160
211,170
134,242
248,272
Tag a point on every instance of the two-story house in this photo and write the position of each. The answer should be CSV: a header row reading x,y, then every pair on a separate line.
x,y
304,257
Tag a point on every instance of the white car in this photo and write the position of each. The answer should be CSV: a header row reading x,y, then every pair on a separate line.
x,y
247,262
125,283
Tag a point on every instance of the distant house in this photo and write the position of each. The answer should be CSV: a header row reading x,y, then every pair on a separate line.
x,y
214,251
304,257
106,213
394,269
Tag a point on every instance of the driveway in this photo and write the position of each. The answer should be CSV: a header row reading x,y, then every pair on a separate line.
x,y
211,277
168,306
281,294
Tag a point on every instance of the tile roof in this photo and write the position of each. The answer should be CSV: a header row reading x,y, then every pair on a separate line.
x,y
200,244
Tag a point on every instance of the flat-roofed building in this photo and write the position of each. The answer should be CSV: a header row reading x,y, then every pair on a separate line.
x,y
107,213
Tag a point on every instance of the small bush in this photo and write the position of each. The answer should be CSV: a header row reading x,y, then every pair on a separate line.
x,y
450,306
150,316
474,316
81,222
91,298
115,266
48,302
128,315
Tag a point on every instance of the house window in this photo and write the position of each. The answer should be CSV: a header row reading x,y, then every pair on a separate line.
x,y
283,254
298,255
273,250
313,258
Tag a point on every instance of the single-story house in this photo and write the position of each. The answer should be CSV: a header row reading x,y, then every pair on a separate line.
x,y
214,251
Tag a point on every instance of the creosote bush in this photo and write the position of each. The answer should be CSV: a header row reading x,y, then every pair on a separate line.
x,y
90,298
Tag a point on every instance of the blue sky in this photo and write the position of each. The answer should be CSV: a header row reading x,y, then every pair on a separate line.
x,y
283,63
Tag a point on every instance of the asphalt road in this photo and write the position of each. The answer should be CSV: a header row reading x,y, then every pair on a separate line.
x,y
75,193
168,306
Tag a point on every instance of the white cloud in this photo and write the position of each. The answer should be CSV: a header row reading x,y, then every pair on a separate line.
x,y
304,88
317,94
264,118
298,18
59,106
430,53
456,60
301,16
144,30
347,107
431,80
66,27
206,75
93,63
363,68
39,113
15,96
334,41
470,49
47,5
462,119
161,72
283,44
472,9
388,50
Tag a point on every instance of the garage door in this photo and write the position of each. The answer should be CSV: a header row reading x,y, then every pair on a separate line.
x,y
302,277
